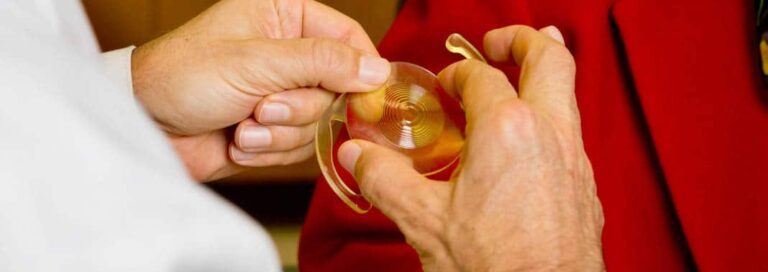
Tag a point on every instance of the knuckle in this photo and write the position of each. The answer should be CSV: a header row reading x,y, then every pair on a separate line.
x,y
259,161
289,3
318,49
280,138
281,158
494,74
369,178
352,28
296,156
263,161
524,28
500,33
512,118
328,54
357,26
315,109
368,175
423,197
473,69
305,106
307,134
291,137
470,66
559,55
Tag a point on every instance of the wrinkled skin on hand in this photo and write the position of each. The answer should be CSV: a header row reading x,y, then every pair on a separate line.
x,y
523,197
243,84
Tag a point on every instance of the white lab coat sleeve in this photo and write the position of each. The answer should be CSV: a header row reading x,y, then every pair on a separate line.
x,y
87,181
117,64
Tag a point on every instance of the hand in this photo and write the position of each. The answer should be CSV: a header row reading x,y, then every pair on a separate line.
x,y
263,65
523,197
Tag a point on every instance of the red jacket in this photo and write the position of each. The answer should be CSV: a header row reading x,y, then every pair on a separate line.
x,y
675,121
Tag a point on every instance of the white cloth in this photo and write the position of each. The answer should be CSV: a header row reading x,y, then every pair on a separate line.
x,y
118,67
87,182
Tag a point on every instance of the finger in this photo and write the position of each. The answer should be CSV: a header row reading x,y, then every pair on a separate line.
x,y
548,70
254,137
553,33
263,159
386,178
294,107
323,21
277,65
478,85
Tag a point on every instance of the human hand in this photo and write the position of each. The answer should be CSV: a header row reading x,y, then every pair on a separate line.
x,y
523,196
262,65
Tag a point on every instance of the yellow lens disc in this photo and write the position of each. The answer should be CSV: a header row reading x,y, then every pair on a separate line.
x,y
411,114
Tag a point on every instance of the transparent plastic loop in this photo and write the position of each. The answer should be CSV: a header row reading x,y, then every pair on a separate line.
x,y
328,129
409,114
455,43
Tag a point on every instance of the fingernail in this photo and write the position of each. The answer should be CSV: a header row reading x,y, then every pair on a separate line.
x,y
554,33
274,112
348,154
373,70
239,155
255,137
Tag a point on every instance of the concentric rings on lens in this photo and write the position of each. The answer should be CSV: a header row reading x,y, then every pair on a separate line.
x,y
412,116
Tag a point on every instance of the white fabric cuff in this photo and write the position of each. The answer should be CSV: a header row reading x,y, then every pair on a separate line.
x,y
118,67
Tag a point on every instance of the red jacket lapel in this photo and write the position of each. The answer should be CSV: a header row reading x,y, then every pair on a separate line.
x,y
695,70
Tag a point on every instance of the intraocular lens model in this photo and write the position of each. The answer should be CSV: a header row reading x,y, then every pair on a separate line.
x,y
410,114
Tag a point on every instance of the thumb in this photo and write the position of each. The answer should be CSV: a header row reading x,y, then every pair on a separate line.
x,y
310,62
386,178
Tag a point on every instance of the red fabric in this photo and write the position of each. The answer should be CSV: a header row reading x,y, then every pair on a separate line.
x,y
675,121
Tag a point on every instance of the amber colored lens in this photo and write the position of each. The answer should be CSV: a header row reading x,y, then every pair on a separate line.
x,y
410,114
